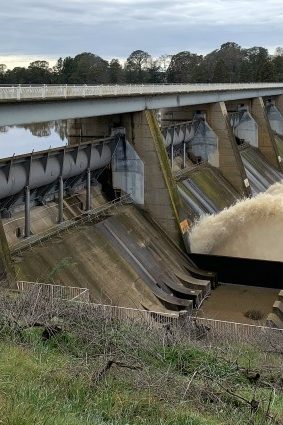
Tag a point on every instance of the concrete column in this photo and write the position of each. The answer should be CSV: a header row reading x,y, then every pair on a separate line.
x,y
83,129
266,141
161,197
27,212
6,265
230,163
279,103
61,201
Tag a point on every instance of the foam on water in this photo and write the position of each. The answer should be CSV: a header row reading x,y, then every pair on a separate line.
x,y
252,228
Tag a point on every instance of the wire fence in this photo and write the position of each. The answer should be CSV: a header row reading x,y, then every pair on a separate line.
x,y
23,92
174,321
50,291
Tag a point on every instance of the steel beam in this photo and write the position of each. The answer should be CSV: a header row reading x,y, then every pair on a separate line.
x,y
184,155
27,212
172,156
61,201
88,187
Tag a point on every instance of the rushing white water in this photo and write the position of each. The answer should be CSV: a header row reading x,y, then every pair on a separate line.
x,y
252,228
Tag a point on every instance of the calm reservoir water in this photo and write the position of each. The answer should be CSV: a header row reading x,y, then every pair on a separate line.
x,y
33,137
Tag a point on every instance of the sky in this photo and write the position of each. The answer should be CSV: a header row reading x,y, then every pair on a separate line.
x,y
39,29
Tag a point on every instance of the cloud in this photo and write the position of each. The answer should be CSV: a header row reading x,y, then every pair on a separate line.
x,y
116,27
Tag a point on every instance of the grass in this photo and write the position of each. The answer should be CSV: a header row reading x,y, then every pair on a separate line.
x,y
42,386
158,380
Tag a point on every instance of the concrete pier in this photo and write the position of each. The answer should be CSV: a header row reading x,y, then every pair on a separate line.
x,y
230,163
161,197
266,141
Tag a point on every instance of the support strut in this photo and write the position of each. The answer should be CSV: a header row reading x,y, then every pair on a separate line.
x,y
61,200
27,212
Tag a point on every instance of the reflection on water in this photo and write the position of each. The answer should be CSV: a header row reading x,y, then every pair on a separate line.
x,y
22,139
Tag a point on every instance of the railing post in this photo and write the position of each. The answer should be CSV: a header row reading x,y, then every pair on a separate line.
x,y
19,92
43,91
172,155
184,155
27,212
65,90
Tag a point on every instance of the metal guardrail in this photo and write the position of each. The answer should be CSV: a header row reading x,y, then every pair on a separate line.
x,y
94,214
23,92
180,174
243,146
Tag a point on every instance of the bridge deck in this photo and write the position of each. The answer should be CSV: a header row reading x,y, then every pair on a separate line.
x,y
43,92
31,104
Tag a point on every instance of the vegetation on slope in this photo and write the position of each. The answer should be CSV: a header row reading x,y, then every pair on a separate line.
x,y
63,363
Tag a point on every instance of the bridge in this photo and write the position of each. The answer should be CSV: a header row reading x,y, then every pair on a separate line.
x,y
25,104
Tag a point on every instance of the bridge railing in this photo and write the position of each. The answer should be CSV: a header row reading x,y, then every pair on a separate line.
x,y
23,92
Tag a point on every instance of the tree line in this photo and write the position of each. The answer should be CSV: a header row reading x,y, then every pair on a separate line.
x,y
230,63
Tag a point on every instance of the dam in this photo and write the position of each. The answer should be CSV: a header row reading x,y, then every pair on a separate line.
x,y
123,207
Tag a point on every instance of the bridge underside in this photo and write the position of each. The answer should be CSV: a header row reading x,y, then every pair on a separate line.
x,y
48,110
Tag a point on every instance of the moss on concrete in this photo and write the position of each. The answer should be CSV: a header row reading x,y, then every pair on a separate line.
x,y
7,269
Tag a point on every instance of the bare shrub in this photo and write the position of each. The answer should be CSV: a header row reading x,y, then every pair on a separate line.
x,y
178,361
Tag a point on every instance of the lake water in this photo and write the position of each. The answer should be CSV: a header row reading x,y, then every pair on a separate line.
x,y
34,137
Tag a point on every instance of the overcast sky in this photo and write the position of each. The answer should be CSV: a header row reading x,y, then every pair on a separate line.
x,y
32,29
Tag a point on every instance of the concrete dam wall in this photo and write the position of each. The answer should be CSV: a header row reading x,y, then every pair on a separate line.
x,y
123,259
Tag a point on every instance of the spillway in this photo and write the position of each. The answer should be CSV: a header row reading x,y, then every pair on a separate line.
x,y
260,173
279,143
205,191
125,259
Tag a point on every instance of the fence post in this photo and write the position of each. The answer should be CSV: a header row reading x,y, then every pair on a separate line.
x,y
183,317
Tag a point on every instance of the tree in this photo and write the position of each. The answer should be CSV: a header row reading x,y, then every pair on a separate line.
x,y
136,67
57,71
266,72
67,69
116,72
88,68
38,72
277,62
18,75
255,58
232,55
155,75
183,67
229,63
3,69
278,51
221,72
